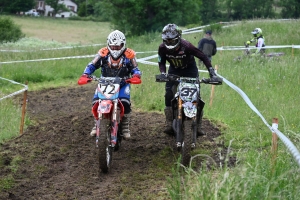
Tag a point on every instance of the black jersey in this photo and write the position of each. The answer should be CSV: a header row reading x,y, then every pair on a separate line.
x,y
182,61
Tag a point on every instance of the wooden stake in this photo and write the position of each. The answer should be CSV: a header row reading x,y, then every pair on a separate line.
x,y
212,90
23,111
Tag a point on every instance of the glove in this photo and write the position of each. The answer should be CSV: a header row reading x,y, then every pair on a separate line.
x,y
84,79
211,72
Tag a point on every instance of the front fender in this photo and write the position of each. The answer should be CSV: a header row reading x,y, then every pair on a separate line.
x,y
105,106
189,109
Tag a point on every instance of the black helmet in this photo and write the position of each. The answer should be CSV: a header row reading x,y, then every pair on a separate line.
x,y
171,35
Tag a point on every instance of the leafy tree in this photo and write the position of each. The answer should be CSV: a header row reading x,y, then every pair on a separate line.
x,y
209,11
240,9
9,6
9,31
291,8
137,17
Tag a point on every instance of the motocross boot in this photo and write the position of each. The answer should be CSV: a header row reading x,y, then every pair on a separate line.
x,y
169,120
199,125
125,126
94,131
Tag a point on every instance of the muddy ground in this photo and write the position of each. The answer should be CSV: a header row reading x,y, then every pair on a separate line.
x,y
57,158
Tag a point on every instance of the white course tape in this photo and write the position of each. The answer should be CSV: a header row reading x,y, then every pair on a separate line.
x,y
57,48
283,138
63,58
15,93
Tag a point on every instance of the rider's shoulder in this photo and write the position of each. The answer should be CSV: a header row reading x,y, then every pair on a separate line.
x,y
129,53
103,52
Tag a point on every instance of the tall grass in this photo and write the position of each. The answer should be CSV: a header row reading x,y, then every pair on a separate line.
x,y
270,83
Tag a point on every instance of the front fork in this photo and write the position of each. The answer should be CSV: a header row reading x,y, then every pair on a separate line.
x,y
179,136
114,124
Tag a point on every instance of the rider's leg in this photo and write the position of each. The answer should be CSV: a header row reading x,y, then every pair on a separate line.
x,y
94,131
124,96
168,112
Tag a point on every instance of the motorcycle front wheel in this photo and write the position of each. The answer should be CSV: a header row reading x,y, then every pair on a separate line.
x,y
105,149
187,142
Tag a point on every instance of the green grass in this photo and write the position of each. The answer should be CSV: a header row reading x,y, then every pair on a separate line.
x,y
270,83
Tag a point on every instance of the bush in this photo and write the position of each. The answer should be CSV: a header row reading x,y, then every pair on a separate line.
x,y
9,31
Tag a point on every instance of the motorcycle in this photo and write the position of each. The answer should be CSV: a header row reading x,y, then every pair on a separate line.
x,y
247,53
187,109
108,112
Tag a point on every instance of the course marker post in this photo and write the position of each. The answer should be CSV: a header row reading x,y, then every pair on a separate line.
x,y
212,89
23,111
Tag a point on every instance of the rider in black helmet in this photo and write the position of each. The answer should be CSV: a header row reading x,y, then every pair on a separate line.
x,y
180,55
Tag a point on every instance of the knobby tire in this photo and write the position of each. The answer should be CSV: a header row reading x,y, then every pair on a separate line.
x,y
187,140
105,150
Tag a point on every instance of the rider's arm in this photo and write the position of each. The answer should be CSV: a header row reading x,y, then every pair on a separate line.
x,y
199,54
162,61
93,65
130,55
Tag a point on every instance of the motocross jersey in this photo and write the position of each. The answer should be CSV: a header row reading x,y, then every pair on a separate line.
x,y
124,66
182,61
260,42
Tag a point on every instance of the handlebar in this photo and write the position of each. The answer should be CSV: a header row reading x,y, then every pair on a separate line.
x,y
172,77
108,80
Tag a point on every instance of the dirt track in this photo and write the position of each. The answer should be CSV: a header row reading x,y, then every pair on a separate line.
x,y
58,159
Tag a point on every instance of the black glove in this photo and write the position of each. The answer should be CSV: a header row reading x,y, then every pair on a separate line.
x,y
211,72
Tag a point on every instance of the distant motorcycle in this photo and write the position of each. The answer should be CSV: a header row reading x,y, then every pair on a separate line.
x,y
108,112
187,107
247,52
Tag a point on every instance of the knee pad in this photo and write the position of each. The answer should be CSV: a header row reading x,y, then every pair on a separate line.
x,y
127,105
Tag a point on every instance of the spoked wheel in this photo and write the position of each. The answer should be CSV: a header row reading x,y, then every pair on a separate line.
x,y
187,142
105,149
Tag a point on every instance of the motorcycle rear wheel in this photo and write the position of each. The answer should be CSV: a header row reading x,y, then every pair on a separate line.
x,y
187,142
105,149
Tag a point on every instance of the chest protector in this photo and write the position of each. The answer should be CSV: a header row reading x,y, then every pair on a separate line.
x,y
112,68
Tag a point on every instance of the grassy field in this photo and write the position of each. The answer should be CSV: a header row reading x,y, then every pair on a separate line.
x,y
270,83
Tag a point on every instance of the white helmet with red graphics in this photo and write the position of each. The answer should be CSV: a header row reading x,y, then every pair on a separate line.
x,y
116,42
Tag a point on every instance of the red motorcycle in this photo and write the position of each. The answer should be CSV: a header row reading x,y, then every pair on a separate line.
x,y
108,112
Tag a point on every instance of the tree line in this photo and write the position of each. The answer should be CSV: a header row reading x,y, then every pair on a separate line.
x,y
135,17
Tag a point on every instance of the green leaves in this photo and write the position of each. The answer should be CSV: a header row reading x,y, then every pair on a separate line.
x,y
9,31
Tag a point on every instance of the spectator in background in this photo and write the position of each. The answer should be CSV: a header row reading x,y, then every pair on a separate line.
x,y
207,45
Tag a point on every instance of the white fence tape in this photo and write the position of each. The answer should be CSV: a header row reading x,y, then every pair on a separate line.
x,y
252,47
64,58
15,93
57,48
283,138
291,147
